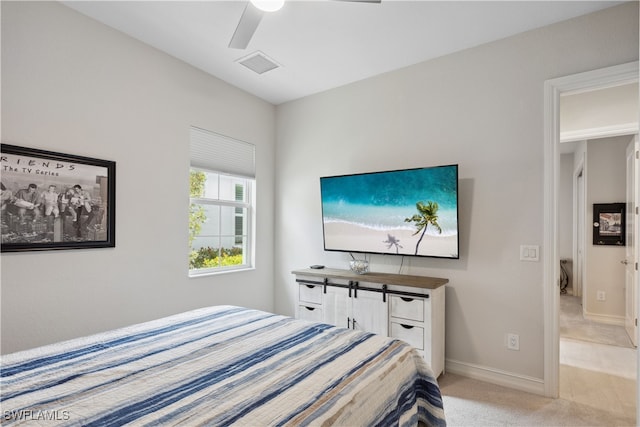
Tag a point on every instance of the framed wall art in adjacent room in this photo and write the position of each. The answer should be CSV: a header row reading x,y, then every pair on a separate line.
x,y
609,224
56,201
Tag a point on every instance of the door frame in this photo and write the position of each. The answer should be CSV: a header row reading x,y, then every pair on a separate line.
x,y
579,207
631,249
582,82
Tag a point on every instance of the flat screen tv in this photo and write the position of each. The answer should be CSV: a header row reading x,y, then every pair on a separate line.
x,y
402,212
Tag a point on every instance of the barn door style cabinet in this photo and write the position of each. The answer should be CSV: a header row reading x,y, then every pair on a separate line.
x,y
354,308
410,308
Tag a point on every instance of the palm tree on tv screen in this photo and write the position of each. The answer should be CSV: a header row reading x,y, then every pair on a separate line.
x,y
393,241
427,214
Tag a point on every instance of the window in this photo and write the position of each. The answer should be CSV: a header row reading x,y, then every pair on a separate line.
x,y
221,208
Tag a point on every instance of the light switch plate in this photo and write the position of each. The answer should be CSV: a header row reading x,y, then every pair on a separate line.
x,y
529,253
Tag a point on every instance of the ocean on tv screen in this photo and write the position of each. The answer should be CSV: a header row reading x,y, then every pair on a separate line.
x,y
376,212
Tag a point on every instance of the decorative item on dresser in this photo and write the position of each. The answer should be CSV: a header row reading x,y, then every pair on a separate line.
x,y
410,308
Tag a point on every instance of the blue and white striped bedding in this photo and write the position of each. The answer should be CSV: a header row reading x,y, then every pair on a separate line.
x,y
221,365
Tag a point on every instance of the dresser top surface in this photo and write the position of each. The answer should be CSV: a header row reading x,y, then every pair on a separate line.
x,y
424,282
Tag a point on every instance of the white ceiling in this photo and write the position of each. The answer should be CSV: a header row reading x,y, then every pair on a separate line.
x,y
323,44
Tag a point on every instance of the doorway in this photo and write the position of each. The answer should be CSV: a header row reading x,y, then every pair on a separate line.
x,y
600,272
597,357
612,76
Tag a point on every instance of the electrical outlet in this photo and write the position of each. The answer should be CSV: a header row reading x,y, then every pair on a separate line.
x,y
513,341
601,296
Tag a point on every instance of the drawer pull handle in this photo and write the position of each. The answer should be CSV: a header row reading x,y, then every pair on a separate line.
x,y
310,286
310,308
405,299
406,326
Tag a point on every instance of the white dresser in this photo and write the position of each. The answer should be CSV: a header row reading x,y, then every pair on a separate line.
x,y
410,308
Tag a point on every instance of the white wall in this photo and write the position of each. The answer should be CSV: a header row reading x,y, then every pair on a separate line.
x,y
72,85
483,109
598,111
606,183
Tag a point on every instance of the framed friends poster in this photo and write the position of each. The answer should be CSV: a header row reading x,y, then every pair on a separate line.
x,y
55,201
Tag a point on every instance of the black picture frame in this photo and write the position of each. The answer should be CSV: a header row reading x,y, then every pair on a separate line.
x,y
609,223
72,205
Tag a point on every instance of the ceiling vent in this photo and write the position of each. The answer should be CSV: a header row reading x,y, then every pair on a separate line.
x,y
258,62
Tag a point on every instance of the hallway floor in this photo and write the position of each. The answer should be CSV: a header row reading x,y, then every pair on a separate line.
x,y
598,365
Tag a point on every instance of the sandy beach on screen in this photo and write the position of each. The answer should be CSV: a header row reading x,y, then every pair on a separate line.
x,y
360,239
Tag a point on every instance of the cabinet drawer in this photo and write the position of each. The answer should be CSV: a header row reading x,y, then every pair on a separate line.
x,y
311,293
306,312
412,335
407,308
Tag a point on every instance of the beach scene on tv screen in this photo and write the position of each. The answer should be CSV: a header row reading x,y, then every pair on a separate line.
x,y
406,212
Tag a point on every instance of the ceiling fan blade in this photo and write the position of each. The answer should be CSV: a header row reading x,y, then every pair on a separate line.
x,y
246,27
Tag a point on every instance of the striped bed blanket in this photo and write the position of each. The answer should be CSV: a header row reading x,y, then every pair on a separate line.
x,y
221,365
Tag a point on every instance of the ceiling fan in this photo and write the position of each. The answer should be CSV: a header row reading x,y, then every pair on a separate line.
x,y
252,15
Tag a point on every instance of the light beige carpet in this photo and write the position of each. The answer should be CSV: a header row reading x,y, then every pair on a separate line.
x,y
469,402
574,326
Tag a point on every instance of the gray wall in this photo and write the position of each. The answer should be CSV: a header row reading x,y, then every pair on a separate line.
x,y
483,109
75,86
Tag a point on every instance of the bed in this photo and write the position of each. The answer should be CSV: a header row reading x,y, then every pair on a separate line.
x,y
222,365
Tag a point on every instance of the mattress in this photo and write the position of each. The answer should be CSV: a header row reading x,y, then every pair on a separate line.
x,y
221,365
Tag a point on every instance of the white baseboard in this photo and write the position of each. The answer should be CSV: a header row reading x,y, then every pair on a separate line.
x,y
605,318
496,376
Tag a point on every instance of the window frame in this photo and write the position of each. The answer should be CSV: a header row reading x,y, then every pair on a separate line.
x,y
248,204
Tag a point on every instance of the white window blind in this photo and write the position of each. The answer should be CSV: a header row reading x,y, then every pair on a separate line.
x,y
220,153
